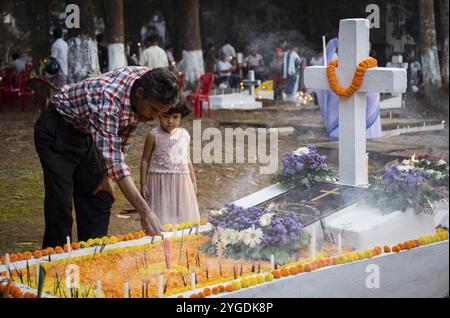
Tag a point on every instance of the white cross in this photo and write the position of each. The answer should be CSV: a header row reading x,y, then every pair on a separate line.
x,y
354,48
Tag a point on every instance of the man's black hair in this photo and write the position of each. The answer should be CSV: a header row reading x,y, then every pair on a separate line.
x,y
160,84
152,39
181,107
15,56
100,37
57,33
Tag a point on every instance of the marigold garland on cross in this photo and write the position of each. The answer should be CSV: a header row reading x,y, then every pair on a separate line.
x,y
358,77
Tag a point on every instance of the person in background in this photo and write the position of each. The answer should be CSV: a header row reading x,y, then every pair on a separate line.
x,y
225,70
210,58
170,58
254,62
18,65
103,58
291,74
276,69
153,57
60,51
228,50
414,72
168,181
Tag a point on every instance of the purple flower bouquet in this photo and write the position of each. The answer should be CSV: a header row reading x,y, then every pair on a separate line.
x,y
254,233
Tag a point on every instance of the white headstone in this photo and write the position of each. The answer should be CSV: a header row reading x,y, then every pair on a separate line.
x,y
353,48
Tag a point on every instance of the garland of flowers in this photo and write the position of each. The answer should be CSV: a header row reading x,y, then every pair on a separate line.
x,y
358,77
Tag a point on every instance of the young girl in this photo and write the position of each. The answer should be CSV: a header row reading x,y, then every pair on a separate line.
x,y
168,181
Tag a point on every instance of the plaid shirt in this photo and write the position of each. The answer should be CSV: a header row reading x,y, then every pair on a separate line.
x,y
101,106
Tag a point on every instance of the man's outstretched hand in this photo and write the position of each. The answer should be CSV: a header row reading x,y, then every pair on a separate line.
x,y
150,223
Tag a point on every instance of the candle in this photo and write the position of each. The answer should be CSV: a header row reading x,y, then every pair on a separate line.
x,y
340,243
313,243
272,262
160,286
193,279
167,253
7,265
367,165
324,43
99,289
126,291
69,248
38,265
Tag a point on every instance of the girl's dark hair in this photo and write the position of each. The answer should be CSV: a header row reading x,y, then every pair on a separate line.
x,y
160,84
181,107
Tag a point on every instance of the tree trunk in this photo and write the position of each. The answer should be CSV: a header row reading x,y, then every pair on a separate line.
x,y
192,42
115,34
428,48
444,41
83,57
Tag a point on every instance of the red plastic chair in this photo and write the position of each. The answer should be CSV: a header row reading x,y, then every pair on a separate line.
x,y
181,82
24,92
6,86
204,86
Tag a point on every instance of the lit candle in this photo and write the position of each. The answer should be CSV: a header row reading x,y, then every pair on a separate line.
x,y
7,261
126,291
272,262
193,279
340,243
99,289
367,164
69,248
324,43
313,243
160,286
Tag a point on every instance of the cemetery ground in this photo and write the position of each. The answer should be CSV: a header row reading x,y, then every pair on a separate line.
x,y
21,181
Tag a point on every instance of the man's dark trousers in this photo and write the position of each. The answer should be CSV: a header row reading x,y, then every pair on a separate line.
x,y
72,169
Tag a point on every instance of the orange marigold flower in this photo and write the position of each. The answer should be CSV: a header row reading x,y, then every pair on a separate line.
x,y
387,249
50,250
13,258
201,295
37,254
293,270
215,290
276,274
285,272
59,250
27,255
221,288
207,291
193,296
44,252
308,268
75,246
300,268
180,296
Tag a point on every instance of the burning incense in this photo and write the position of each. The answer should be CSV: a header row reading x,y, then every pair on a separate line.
x,y
99,289
339,243
160,286
193,280
167,253
7,261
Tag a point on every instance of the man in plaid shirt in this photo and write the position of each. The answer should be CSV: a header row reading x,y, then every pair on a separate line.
x,y
82,138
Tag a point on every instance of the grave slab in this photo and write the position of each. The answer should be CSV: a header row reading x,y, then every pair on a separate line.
x,y
234,101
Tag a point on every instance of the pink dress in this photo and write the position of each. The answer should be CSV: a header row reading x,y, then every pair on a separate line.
x,y
171,191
